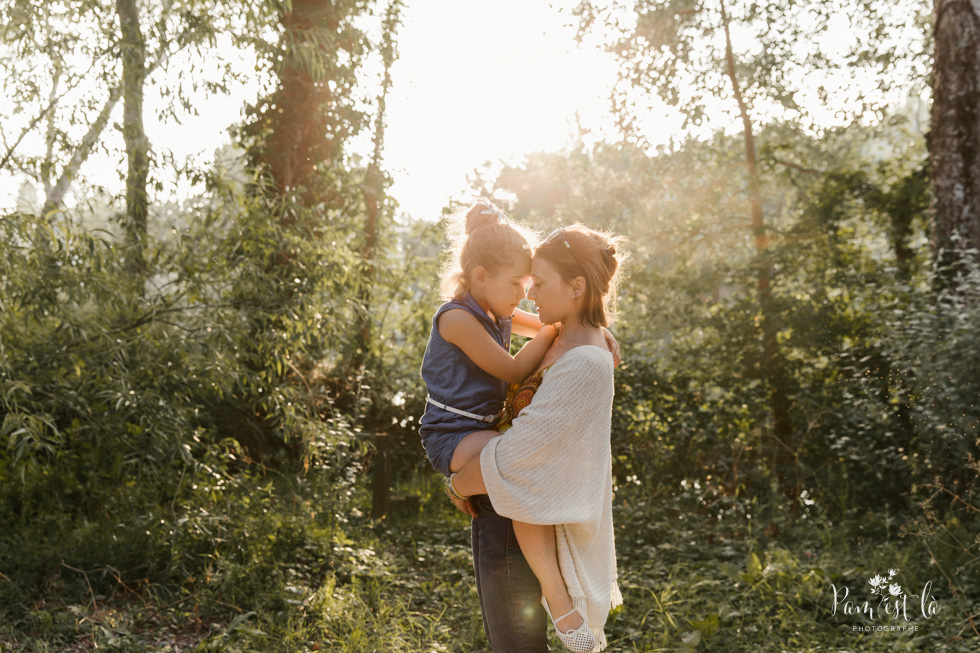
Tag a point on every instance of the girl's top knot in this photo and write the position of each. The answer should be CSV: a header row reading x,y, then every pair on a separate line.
x,y
483,236
482,214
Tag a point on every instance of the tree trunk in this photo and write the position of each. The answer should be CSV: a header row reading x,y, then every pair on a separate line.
x,y
954,139
783,456
56,197
51,134
381,476
296,119
373,196
133,50
374,189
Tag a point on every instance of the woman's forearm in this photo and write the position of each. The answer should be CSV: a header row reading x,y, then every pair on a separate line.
x,y
469,480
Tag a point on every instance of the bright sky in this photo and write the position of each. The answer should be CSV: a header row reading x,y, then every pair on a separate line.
x,y
475,82
484,81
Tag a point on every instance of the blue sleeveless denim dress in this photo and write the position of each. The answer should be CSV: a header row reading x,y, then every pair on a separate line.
x,y
451,378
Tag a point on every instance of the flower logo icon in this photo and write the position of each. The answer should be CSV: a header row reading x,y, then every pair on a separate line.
x,y
877,584
885,586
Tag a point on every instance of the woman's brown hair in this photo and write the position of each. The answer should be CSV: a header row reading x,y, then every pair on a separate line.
x,y
578,251
482,236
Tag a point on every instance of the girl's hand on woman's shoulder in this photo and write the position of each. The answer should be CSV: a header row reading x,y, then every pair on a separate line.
x,y
612,345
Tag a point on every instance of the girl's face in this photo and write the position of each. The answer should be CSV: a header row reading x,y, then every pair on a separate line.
x,y
503,291
552,295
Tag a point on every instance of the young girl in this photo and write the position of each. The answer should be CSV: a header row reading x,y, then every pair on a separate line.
x,y
467,366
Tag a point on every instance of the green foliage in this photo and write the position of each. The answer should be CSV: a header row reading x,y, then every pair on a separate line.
x,y
141,420
185,458
786,58
881,372
128,413
693,579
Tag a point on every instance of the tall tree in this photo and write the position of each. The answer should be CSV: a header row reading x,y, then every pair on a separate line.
x,y
133,51
374,189
738,64
772,360
374,184
300,129
61,66
954,141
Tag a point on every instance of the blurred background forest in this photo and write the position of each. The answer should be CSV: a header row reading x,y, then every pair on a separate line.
x,y
209,398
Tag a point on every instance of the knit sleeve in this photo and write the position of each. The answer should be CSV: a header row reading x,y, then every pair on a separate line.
x,y
549,467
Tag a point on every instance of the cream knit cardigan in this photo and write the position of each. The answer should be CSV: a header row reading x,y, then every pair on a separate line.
x,y
553,466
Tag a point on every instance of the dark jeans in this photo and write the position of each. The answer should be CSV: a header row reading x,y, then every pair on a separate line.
x,y
510,595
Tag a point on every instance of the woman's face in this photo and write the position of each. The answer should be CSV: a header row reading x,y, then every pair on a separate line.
x,y
552,296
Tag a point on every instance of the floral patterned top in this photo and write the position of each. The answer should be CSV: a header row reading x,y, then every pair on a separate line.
x,y
519,395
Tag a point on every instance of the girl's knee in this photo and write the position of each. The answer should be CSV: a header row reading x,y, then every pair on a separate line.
x,y
469,448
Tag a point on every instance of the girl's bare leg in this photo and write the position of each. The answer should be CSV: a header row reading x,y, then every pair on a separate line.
x,y
537,541
469,448
539,548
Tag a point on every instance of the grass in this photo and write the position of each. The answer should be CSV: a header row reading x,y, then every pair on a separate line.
x,y
693,578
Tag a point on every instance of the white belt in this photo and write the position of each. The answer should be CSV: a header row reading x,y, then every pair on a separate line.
x,y
482,418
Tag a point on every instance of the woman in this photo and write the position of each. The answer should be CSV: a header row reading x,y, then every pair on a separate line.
x,y
553,465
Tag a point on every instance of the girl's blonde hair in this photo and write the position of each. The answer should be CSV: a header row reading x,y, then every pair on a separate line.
x,y
482,236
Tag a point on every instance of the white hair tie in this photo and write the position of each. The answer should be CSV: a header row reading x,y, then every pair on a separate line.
x,y
490,210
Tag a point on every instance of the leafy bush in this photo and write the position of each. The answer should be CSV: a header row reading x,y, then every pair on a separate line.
x,y
129,406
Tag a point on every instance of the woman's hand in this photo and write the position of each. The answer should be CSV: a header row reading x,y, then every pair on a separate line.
x,y
461,501
464,506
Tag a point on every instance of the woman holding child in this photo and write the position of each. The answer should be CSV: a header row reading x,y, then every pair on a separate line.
x,y
539,486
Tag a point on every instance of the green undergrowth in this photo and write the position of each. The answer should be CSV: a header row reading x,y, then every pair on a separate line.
x,y
756,580
283,576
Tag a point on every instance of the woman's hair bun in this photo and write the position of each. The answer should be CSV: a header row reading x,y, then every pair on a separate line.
x,y
481,214
609,254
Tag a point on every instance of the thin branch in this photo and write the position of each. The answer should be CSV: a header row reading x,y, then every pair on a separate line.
x,y
95,604
973,624
51,105
115,573
796,166
55,198
50,137
153,612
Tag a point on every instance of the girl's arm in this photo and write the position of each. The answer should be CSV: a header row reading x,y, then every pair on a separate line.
x,y
528,324
465,331
525,324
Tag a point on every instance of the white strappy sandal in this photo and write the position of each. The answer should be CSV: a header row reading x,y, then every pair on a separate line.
x,y
580,640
